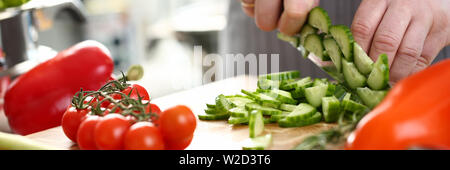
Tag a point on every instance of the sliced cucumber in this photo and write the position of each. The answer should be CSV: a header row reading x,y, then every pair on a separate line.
x,y
352,77
302,112
334,52
212,111
331,108
258,143
275,118
240,101
294,40
379,77
362,61
314,94
320,82
280,95
371,98
319,19
264,109
238,120
281,75
306,30
268,84
350,105
344,38
211,106
238,112
256,123
263,99
223,104
315,118
221,116
296,84
287,107
313,43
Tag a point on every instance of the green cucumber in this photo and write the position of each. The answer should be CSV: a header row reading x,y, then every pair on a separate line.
x,y
302,112
275,118
362,61
238,112
211,111
314,94
240,101
344,38
306,30
221,116
287,107
313,43
294,40
296,84
264,109
319,82
371,98
349,105
379,77
352,77
263,99
281,75
238,120
319,19
268,84
256,123
315,118
334,52
331,108
258,143
223,104
211,106
280,95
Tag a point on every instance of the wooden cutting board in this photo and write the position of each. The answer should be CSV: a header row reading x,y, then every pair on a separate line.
x,y
209,135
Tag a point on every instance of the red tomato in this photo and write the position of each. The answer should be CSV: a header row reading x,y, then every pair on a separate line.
x,y
85,135
71,121
110,132
136,89
177,124
180,144
107,102
153,108
143,136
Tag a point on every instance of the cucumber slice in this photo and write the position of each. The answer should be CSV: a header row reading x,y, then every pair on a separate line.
x,y
212,111
379,77
306,30
362,61
268,84
293,40
221,116
331,107
275,118
281,75
238,120
256,123
211,106
313,43
302,112
296,84
344,38
223,104
352,77
263,99
350,105
334,52
240,101
316,118
280,95
319,19
371,97
264,109
314,94
320,82
238,112
258,143
287,107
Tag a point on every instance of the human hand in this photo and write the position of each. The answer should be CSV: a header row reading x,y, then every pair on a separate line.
x,y
286,15
410,32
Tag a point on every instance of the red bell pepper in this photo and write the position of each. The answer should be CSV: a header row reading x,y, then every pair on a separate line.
x,y
37,100
415,113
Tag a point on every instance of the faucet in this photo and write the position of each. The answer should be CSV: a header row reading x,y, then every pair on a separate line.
x,y
19,27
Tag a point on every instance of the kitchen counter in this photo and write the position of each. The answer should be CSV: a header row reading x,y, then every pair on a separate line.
x,y
209,135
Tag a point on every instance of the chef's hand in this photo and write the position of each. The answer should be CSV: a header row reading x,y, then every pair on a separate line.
x,y
410,32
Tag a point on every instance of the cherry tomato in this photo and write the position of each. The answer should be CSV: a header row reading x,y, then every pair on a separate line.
x,y
177,124
71,121
110,132
179,144
136,89
85,135
143,136
153,108
112,106
107,102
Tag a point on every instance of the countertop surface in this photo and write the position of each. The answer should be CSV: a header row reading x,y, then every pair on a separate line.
x,y
209,135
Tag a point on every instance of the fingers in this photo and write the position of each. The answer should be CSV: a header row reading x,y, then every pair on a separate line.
x,y
432,46
248,6
294,15
390,32
366,20
267,13
408,55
